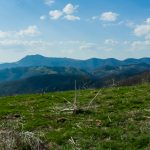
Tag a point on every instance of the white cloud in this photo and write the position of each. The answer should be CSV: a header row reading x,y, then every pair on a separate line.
x,y
140,45
67,12
55,14
111,42
148,20
88,46
4,34
129,24
69,9
11,42
42,17
143,30
126,42
16,42
49,2
30,31
109,16
93,47
71,17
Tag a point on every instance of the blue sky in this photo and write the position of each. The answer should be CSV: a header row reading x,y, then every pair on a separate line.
x,y
74,28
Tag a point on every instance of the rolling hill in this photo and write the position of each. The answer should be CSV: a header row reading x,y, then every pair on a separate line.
x,y
143,77
47,83
121,70
65,80
19,73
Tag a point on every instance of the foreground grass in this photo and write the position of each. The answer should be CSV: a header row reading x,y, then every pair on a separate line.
x,y
119,118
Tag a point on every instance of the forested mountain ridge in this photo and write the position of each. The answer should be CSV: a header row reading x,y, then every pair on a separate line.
x,y
37,74
89,64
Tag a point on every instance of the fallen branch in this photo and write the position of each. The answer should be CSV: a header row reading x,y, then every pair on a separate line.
x,y
93,99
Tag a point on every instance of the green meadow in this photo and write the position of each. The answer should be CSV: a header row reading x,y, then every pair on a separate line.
x,y
116,118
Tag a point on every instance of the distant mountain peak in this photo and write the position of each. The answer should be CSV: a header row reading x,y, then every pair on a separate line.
x,y
32,59
37,56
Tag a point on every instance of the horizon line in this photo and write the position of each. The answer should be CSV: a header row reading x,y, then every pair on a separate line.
x,y
79,59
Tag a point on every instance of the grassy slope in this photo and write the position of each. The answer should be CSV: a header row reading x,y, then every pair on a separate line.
x,y
119,118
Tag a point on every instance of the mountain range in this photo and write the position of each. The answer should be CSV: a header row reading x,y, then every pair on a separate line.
x,y
37,74
88,65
